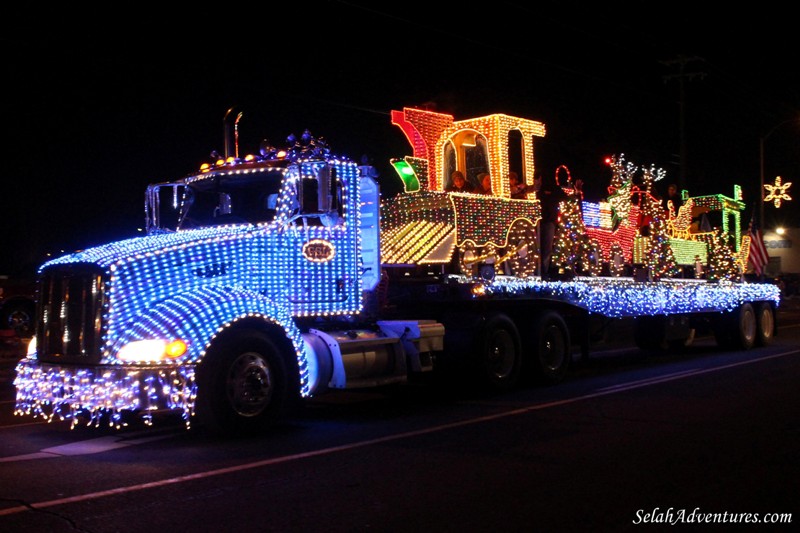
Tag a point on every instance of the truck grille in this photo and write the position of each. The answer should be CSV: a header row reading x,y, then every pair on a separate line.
x,y
69,312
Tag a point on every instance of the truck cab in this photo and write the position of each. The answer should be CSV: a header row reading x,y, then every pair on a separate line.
x,y
246,267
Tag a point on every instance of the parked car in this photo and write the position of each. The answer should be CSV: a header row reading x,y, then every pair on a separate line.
x,y
17,305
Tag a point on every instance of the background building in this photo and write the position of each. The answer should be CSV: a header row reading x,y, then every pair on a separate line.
x,y
784,251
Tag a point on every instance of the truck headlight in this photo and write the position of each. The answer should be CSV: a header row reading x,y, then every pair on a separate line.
x,y
152,350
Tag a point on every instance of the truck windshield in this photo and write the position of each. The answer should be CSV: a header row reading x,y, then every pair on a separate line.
x,y
235,199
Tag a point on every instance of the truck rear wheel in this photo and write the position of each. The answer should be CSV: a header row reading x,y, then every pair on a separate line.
x,y
243,384
552,353
499,358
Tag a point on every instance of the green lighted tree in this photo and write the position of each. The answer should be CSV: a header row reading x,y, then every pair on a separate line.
x,y
570,235
722,263
660,258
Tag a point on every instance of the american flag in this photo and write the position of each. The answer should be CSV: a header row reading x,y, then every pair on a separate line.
x,y
758,250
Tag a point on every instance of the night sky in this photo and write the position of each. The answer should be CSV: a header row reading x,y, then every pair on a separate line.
x,y
97,108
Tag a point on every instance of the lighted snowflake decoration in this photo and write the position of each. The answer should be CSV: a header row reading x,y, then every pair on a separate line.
x,y
777,192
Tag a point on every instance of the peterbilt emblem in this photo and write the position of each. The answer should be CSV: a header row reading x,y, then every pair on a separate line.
x,y
319,251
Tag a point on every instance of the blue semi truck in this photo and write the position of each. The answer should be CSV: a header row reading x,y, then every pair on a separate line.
x,y
263,280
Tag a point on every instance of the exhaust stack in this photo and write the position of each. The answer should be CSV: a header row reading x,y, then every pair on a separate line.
x,y
231,132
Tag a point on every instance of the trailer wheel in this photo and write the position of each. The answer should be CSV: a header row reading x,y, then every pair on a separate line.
x,y
243,384
552,352
766,324
737,330
499,358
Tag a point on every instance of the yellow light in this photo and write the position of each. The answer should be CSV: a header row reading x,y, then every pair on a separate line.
x,y
151,350
281,154
780,231
204,167
175,349
777,192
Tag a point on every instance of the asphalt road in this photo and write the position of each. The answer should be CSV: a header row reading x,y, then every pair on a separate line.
x,y
627,442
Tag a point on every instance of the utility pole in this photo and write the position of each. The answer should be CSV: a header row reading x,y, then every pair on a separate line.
x,y
682,76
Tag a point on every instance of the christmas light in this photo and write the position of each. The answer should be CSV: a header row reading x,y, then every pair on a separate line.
x,y
612,297
777,192
165,297
125,325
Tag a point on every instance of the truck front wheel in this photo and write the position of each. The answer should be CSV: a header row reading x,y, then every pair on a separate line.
x,y
243,384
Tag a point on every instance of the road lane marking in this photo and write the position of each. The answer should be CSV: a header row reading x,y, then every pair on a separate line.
x,y
648,381
370,442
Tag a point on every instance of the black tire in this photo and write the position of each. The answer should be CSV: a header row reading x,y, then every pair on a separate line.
x,y
765,316
487,272
499,358
746,332
551,351
18,315
243,384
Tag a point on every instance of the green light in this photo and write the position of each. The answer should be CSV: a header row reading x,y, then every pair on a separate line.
x,y
407,174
